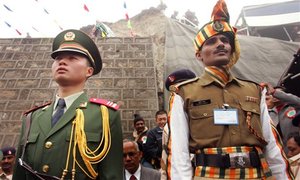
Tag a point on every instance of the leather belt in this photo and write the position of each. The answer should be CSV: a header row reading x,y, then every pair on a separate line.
x,y
232,160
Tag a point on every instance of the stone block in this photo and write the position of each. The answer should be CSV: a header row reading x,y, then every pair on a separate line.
x,y
111,72
2,54
151,82
14,48
27,83
2,83
24,94
115,40
121,47
122,63
137,83
110,94
128,93
38,94
8,56
144,72
107,63
3,104
17,41
112,55
45,83
9,94
100,83
137,63
128,40
32,73
8,139
128,72
142,54
31,41
11,83
108,47
15,105
7,64
24,56
120,83
17,115
4,115
27,48
44,73
137,47
93,93
145,94
138,104
20,64
6,41
128,54
143,40
35,64
43,48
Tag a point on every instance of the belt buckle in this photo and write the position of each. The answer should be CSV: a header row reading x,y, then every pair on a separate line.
x,y
239,160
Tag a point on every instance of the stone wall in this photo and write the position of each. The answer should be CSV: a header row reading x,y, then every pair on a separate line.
x,y
128,77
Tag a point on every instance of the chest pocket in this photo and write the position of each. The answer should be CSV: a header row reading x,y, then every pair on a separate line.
x,y
202,119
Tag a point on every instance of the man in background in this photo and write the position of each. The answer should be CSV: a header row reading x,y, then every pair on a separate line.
x,y
133,170
153,146
8,162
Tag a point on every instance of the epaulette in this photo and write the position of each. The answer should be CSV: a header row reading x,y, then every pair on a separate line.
x,y
105,103
175,87
37,107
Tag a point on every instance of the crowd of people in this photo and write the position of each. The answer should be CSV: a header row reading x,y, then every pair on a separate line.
x,y
217,126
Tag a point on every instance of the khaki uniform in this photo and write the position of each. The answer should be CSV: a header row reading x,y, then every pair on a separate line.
x,y
202,96
47,147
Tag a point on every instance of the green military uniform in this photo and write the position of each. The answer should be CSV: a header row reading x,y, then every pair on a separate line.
x,y
86,141
47,147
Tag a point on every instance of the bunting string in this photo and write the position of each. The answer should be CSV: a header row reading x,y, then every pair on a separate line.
x,y
128,20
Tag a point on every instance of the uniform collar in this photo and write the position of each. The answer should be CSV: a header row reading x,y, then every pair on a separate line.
x,y
207,79
69,99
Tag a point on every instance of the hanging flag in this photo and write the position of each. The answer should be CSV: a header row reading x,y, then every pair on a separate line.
x,y
7,24
45,10
86,8
125,5
35,29
18,32
127,17
7,8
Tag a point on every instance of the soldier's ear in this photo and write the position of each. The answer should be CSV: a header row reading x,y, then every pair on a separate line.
x,y
198,55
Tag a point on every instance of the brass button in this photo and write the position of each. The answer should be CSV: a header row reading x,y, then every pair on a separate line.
x,y
45,168
204,114
48,144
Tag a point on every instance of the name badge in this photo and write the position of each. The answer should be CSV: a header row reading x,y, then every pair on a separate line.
x,y
226,117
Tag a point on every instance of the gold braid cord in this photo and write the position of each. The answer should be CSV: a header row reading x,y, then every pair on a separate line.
x,y
88,155
252,130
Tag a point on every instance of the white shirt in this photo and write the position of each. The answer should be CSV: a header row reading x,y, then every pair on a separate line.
x,y
137,174
69,100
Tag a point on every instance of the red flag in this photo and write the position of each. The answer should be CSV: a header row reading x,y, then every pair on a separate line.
x,y
127,17
19,32
86,8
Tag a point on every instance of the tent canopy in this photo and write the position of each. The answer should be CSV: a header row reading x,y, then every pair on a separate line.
x,y
276,20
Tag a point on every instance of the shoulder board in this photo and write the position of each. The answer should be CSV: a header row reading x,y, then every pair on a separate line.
x,y
105,103
37,107
185,82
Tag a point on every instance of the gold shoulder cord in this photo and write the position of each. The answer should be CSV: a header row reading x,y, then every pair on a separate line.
x,y
88,156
